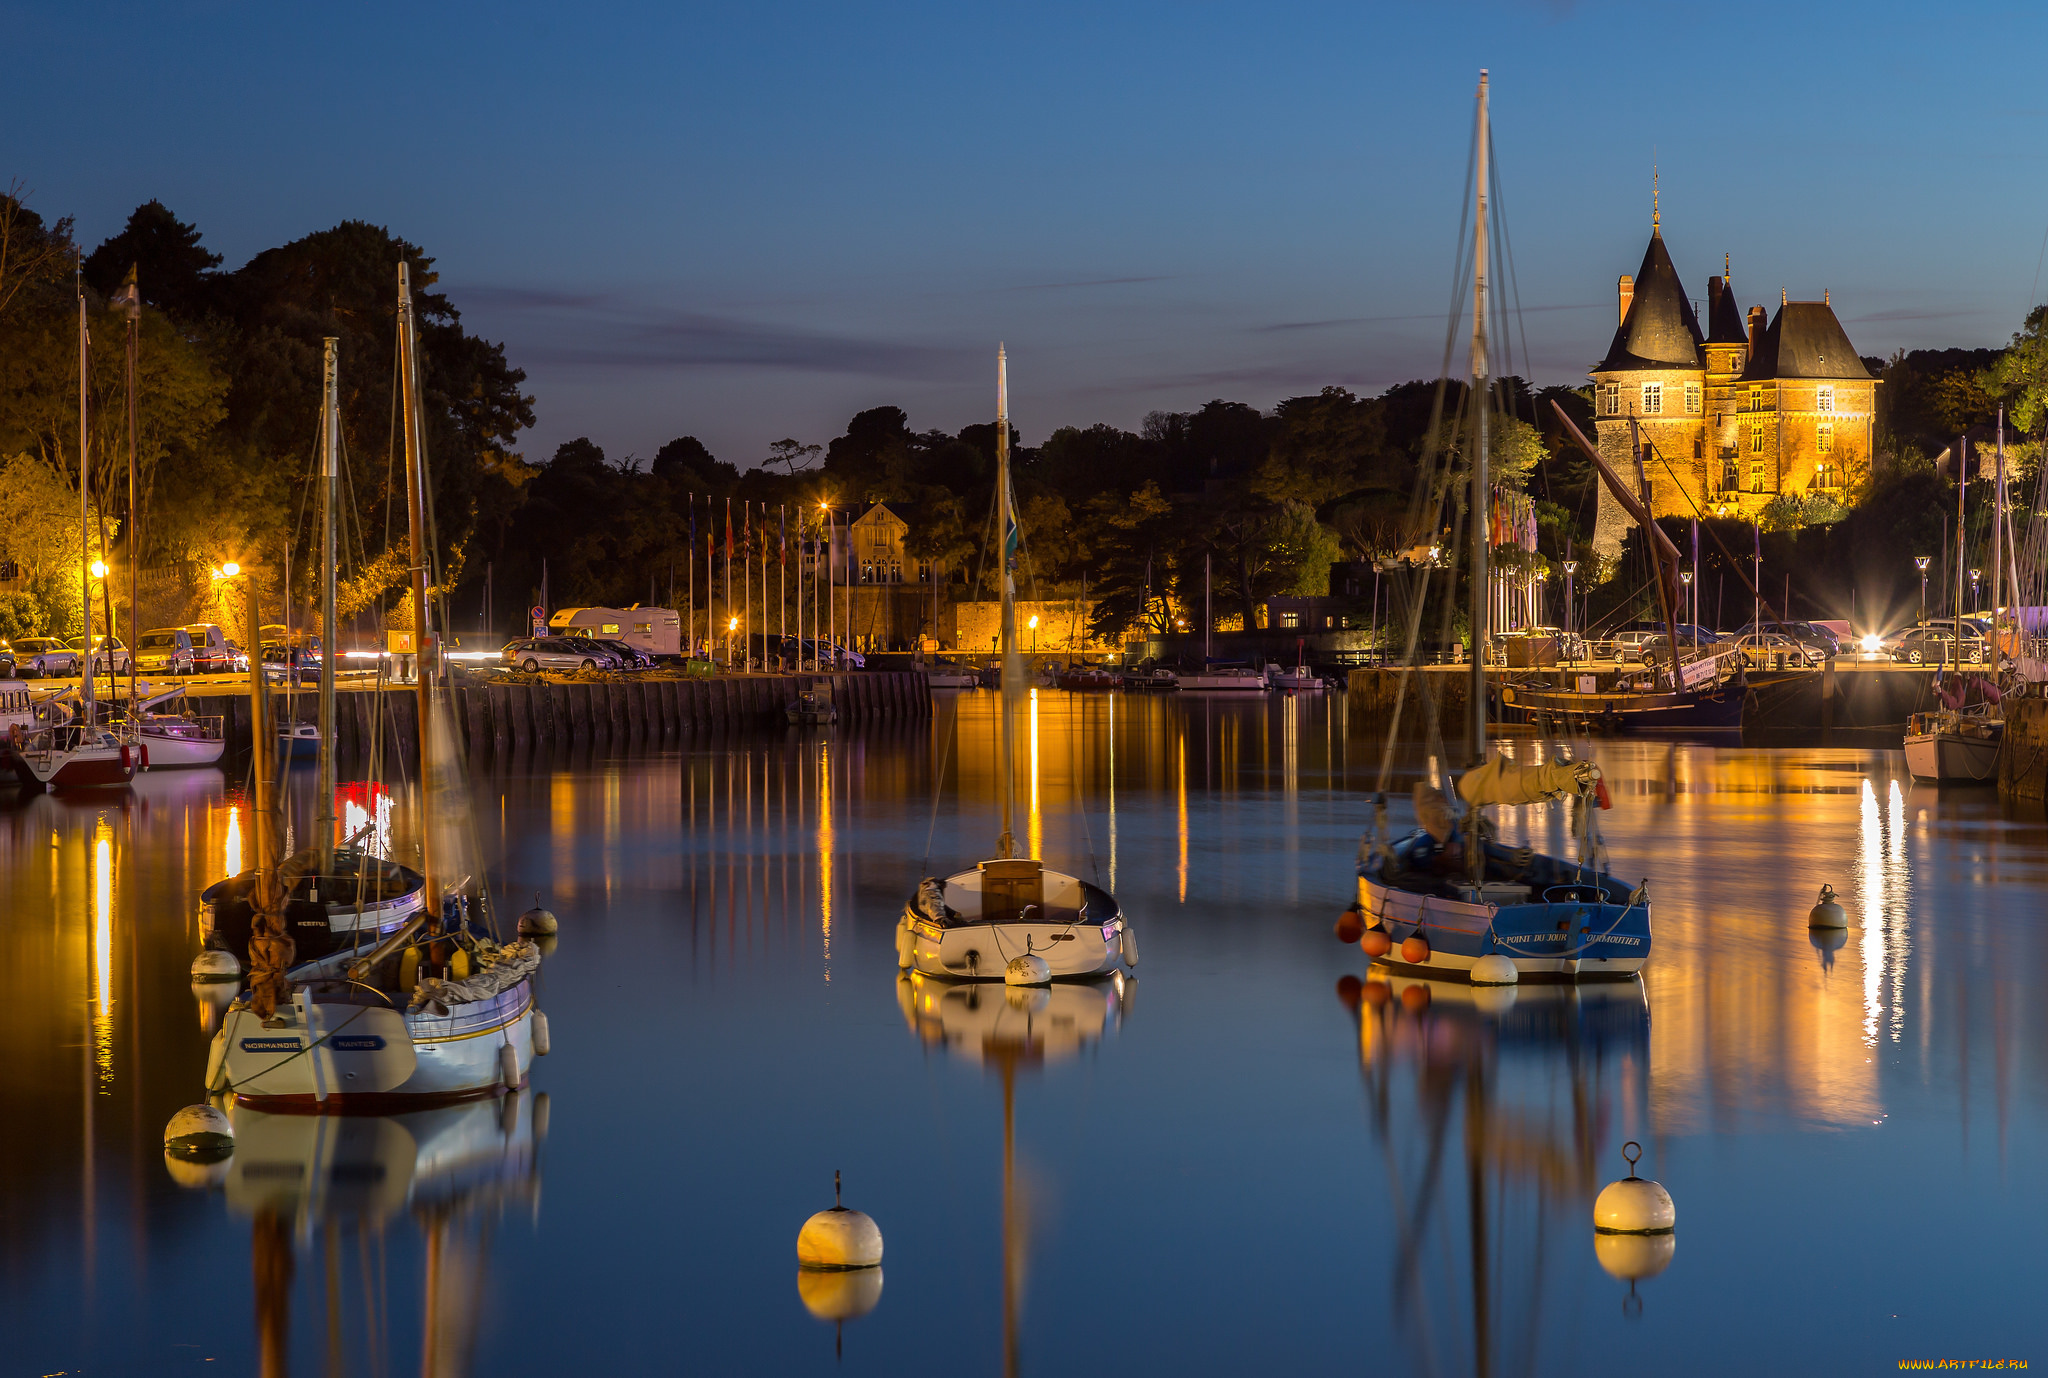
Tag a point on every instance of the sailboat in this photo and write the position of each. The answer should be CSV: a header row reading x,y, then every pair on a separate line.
x,y
1010,918
77,751
437,1010
174,739
1958,741
1447,896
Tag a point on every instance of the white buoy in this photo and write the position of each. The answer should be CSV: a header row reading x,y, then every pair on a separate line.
x,y
540,1034
906,942
1493,1000
839,1238
1130,946
537,922
1028,970
199,1133
1634,1205
1494,970
214,965
508,1066
1827,912
1633,1257
841,1295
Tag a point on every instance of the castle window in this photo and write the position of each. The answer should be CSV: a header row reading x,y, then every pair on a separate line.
x,y
1756,399
1824,439
1610,399
1756,478
1756,438
1653,399
1692,399
1826,476
1823,399
1699,447
1731,475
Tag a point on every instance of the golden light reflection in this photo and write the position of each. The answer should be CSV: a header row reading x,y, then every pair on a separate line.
x,y
1111,757
1036,834
103,953
1180,761
233,857
825,845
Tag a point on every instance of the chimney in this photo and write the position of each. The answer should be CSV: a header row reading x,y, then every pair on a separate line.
x,y
1627,292
1756,330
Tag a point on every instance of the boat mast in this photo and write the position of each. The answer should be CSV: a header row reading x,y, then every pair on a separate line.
x,y
1962,546
1481,365
131,301
415,482
85,512
1997,533
1006,845
330,445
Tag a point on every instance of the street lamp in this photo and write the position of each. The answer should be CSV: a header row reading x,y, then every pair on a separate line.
x,y
1920,562
1033,626
1571,567
1975,574
1692,613
730,627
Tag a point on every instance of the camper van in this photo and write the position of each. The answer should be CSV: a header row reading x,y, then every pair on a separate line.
x,y
657,631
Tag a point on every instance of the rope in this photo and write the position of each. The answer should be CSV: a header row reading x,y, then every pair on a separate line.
x,y
938,787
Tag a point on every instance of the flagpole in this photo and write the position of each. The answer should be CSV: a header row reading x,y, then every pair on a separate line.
x,y
782,562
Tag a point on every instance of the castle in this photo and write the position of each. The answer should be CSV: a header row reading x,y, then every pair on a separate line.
x,y
1722,423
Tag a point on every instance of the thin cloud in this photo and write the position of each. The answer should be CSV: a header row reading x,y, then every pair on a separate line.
x,y
1907,314
1087,282
1337,321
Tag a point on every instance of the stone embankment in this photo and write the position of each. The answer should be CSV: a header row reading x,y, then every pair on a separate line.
x,y
536,713
2023,757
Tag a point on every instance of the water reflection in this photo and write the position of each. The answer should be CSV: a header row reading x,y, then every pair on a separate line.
x,y
1492,1108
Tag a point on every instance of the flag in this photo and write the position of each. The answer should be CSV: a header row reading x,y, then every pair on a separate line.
x,y
728,528
782,536
693,525
1012,538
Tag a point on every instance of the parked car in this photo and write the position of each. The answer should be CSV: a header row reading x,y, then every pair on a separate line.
x,y
1628,645
1764,648
601,656
7,668
212,652
164,651
105,661
42,657
1806,632
536,653
1936,645
631,657
1569,645
282,662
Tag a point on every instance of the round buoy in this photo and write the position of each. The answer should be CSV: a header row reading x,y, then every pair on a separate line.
x,y
199,1134
843,1295
1415,998
1349,991
839,1238
1377,993
213,965
537,922
1494,970
1415,950
1350,928
1633,1257
1827,912
1634,1205
540,1034
1028,970
1377,942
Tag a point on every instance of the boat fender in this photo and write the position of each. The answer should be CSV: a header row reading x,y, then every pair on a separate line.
x,y
143,749
1494,970
839,1238
1377,942
905,942
508,1066
409,970
200,1133
1350,990
1600,795
540,1034
217,1061
459,964
1415,951
1415,998
127,757
1130,946
1350,928
1827,912
1634,1205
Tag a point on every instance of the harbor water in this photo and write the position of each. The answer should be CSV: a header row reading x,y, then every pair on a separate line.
x,y
1222,1166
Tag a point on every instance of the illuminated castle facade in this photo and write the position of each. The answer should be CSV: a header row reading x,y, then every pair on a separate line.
x,y
1720,423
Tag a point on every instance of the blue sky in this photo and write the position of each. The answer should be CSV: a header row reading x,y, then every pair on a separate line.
x,y
749,221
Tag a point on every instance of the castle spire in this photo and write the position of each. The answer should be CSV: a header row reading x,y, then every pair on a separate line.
x,y
1727,273
1656,209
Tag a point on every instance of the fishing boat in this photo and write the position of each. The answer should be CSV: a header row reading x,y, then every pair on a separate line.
x,y
1011,918
1227,679
174,740
298,742
1448,896
811,708
436,1008
1086,678
943,674
1295,679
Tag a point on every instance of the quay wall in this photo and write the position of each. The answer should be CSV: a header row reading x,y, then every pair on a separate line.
x,y
499,719
2023,756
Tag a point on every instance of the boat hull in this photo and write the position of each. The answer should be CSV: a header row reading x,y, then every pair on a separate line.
x,y
1567,940
343,1055
1952,757
168,751
1689,711
1221,684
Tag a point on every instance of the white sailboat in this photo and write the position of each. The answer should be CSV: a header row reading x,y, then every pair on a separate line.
x,y
1958,742
435,1011
1011,918
172,740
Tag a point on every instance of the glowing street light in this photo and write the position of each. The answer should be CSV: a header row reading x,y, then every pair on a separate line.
x,y
99,569
1920,562
1571,567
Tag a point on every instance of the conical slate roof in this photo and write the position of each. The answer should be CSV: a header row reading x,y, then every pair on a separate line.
x,y
1724,317
1805,341
1661,330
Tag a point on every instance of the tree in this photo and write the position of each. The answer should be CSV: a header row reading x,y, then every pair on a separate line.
x,y
793,455
31,254
171,269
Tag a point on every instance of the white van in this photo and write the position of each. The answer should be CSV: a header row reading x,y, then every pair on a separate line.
x,y
657,631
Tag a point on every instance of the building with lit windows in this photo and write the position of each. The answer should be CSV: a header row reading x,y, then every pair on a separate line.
x,y
1722,422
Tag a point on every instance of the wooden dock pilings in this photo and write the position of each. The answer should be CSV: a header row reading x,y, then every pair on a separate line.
x,y
504,718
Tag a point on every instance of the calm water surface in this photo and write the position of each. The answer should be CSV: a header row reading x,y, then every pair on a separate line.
x,y
1216,1168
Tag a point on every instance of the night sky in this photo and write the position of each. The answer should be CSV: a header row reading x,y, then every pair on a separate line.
x,y
749,221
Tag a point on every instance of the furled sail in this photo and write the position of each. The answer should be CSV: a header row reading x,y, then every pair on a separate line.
x,y
1501,781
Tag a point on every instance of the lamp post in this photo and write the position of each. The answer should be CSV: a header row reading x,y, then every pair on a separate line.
x,y
1692,613
1571,567
1975,574
1920,562
732,626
